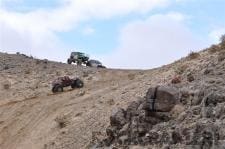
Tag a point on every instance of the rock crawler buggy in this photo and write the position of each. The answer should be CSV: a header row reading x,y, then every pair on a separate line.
x,y
61,82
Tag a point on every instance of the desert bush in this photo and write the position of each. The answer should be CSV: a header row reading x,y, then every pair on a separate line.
x,y
6,85
131,76
85,74
222,44
45,67
28,71
58,73
6,67
176,80
45,61
222,38
180,69
37,61
214,49
221,56
62,121
193,55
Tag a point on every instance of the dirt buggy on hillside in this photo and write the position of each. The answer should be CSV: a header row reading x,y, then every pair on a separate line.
x,y
78,57
61,82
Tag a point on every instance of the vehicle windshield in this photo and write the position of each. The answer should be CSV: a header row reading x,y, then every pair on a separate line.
x,y
84,55
80,54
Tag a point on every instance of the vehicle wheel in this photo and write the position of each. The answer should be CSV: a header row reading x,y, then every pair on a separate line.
x,y
57,88
79,83
73,85
69,61
100,66
79,62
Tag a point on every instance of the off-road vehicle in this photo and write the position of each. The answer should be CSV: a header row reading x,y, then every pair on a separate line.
x,y
95,63
61,82
78,57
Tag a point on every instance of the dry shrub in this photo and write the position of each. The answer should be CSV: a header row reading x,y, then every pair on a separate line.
x,y
45,61
180,69
81,93
131,76
62,121
190,77
28,71
37,61
57,73
176,80
222,38
193,55
110,102
214,49
6,67
85,74
221,56
6,85
45,67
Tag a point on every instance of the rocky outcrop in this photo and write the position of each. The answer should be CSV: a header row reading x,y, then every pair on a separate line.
x,y
151,122
133,126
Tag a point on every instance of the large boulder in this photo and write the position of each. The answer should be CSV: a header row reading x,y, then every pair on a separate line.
x,y
161,99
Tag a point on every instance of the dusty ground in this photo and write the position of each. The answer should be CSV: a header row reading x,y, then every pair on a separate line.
x,y
30,113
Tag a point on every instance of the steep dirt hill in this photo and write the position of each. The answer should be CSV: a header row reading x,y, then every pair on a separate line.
x,y
31,117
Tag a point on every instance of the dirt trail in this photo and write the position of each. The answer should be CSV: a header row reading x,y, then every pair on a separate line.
x,y
30,122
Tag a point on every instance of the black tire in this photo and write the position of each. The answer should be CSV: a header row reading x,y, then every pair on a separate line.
x,y
79,83
69,61
79,62
73,85
57,88
100,66
88,64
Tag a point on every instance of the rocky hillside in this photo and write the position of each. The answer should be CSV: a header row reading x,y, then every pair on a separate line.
x,y
113,110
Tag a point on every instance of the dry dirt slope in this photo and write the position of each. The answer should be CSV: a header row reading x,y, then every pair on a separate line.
x,y
30,114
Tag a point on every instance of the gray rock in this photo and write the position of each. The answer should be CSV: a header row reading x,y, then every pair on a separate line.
x,y
117,117
166,98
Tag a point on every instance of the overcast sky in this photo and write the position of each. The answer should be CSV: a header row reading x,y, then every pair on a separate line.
x,y
121,33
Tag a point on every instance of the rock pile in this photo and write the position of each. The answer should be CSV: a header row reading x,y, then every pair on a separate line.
x,y
150,122
133,125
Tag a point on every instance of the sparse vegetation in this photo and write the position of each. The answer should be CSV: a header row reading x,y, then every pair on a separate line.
x,y
6,85
180,69
176,80
131,76
61,121
213,49
37,61
190,77
45,67
28,71
222,38
193,55
6,67
45,61
221,56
